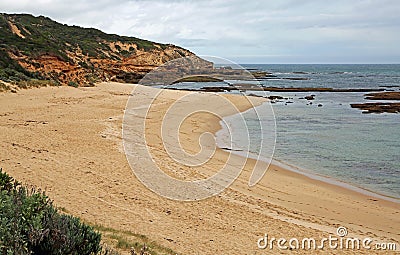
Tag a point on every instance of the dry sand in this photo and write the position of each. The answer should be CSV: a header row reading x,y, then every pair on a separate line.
x,y
69,141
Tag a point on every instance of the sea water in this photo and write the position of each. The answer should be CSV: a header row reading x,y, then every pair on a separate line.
x,y
334,139
331,139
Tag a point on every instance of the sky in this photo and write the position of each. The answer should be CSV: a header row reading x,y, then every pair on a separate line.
x,y
252,31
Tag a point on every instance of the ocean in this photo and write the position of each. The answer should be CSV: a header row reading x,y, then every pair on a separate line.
x,y
333,139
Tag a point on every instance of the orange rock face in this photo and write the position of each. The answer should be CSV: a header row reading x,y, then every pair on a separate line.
x,y
87,70
65,54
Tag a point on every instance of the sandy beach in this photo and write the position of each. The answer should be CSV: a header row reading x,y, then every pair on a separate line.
x,y
68,141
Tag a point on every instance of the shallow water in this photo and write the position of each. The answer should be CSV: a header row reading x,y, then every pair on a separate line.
x,y
332,140
336,140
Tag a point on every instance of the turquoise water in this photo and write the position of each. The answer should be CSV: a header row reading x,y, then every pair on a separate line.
x,y
333,140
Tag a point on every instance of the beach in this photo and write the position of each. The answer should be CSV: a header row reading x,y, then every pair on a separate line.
x,y
68,141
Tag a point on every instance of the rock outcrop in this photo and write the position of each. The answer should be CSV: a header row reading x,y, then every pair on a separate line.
x,y
391,95
378,107
40,48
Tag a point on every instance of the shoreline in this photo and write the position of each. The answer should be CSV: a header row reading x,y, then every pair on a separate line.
x,y
305,172
333,181
84,170
297,175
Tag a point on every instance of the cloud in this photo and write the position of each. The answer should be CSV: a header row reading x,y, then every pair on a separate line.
x,y
298,30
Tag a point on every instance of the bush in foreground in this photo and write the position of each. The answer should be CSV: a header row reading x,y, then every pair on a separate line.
x,y
30,224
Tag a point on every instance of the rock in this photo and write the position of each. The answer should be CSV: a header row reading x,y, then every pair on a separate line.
x,y
198,78
390,86
296,78
383,96
275,97
319,105
254,95
378,107
260,74
308,89
90,56
217,89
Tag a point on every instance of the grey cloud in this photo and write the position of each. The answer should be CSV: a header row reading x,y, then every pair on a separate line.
x,y
290,28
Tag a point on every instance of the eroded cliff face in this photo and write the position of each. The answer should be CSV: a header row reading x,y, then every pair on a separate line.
x,y
66,54
84,69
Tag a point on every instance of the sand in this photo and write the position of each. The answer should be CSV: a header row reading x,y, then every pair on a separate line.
x,y
69,142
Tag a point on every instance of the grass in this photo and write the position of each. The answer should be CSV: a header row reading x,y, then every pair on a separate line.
x,y
73,84
30,222
126,240
122,242
14,86
49,37
4,87
34,83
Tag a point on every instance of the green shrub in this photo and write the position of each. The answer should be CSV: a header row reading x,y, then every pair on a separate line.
x,y
21,214
7,183
66,235
73,84
30,224
83,64
34,83
125,53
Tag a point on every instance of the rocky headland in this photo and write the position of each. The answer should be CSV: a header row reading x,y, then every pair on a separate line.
x,y
38,48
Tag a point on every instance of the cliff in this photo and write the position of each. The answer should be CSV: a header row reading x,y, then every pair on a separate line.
x,y
40,48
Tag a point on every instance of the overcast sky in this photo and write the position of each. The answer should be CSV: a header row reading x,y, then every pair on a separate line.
x,y
269,31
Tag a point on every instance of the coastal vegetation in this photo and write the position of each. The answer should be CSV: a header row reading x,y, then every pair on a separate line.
x,y
41,35
42,49
31,224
